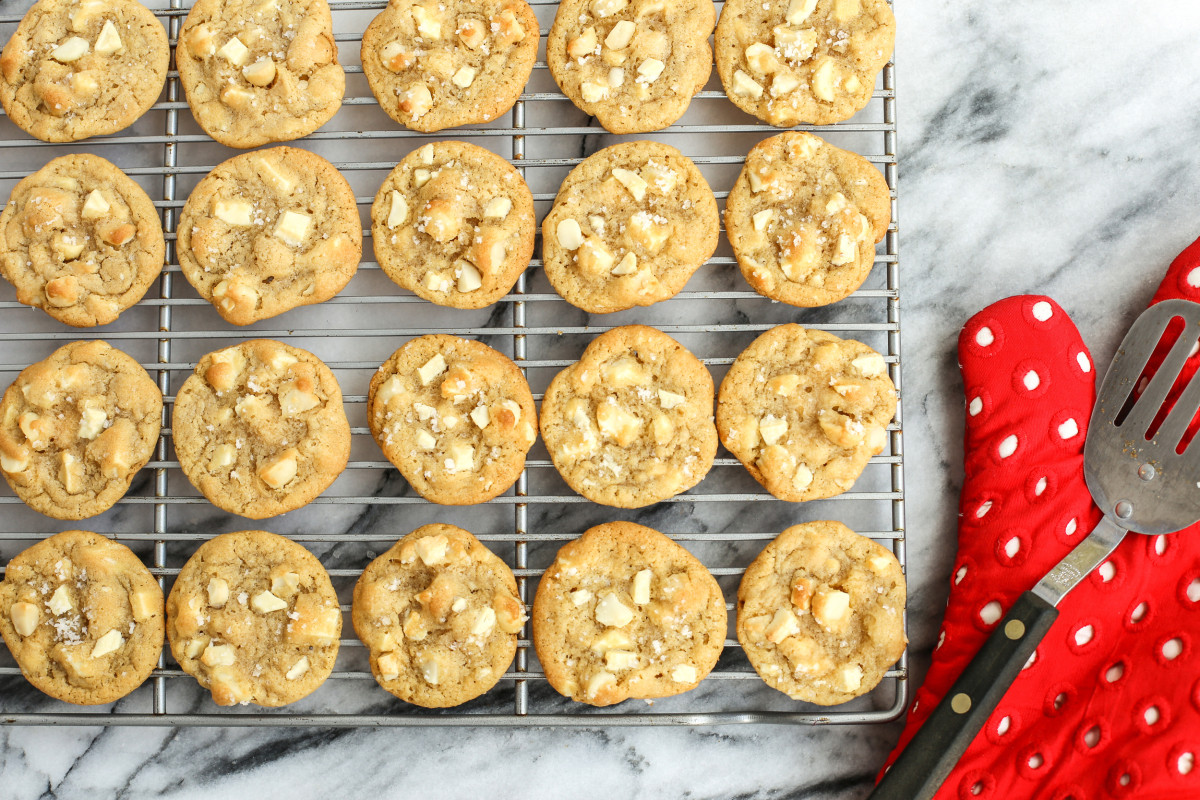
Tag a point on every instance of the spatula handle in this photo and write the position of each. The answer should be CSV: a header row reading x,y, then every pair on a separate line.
x,y
944,737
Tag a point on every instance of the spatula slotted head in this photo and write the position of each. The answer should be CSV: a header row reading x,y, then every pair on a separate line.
x,y
1133,461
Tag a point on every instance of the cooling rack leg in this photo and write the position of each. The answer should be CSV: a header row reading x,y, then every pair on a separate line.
x,y
170,156
521,511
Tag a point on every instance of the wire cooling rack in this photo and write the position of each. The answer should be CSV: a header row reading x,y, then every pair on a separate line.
x,y
725,521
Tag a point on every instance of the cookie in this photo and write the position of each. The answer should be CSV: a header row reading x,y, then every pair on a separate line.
x,y
268,231
803,61
435,64
820,613
82,616
440,615
257,72
259,428
80,68
80,240
630,423
76,427
633,66
628,228
454,416
624,612
804,217
254,619
453,223
804,411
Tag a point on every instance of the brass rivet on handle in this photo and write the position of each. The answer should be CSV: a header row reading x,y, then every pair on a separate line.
x,y
1014,629
960,703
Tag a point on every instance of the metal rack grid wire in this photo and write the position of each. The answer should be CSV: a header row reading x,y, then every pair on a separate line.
x,y
167,333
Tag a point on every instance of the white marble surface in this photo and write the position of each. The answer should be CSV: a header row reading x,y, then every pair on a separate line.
x,y
1044,148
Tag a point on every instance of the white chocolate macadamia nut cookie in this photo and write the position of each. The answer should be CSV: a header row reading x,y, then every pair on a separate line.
x,y
454,416
80,68
453,223
259,428
633,65
811,61
268,231
259,71
76,427
624,612
80,240
254,619
435,64
804,217
804,411
82,616
821,613
440,615
630,423
629,227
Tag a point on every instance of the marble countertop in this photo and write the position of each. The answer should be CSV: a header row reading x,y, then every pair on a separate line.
x,y
1043,148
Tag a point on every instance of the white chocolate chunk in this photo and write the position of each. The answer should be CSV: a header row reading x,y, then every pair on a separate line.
x,y
431,369
109,41
823,80
598,683
60,602
772,428
424,412
233,212
145,604
218,655
570,235
746,86
580,597
497,208
616,77
831,608
87,9
761,58
869,365
612,612
631,181
618,660
260,73
798,11
593,92
641,587
480,416
626,266
298,670
280,471
427,25
620,35
464,77
782,625
846,10
389,666
287,583
850,677
94,205
469,278
606,8
784,83
835,203
669,400
432,549
459,605
649,70
264,602
485,622
72,49
683,673
91,422
762,219
234,52
463,456
218,592
108,643
25,617
425,440
429,670
292,227
846,251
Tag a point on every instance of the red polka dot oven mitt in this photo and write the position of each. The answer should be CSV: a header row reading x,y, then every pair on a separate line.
x,y
1109,704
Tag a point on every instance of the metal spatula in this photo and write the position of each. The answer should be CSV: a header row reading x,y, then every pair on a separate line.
x,y
1142,483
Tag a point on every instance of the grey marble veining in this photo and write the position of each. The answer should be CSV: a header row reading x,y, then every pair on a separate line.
x,y
1044,148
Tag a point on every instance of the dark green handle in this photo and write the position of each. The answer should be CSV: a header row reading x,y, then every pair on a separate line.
x,y
944,737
